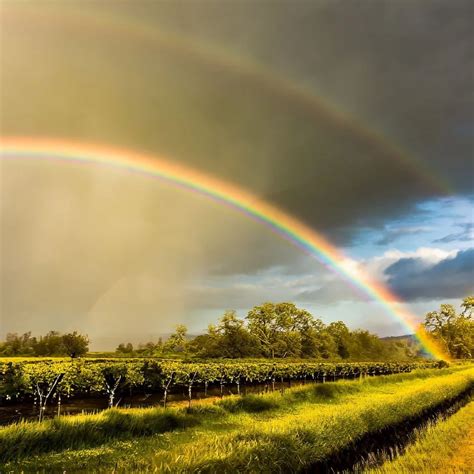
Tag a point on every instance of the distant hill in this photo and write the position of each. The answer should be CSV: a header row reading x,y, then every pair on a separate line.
x,y
410,338
412,342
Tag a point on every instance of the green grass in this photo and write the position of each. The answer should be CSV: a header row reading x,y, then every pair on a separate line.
x,y
309,433
26,438
447,447
270,433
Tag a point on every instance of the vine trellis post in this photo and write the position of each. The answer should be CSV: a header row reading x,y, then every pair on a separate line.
x,y
44,397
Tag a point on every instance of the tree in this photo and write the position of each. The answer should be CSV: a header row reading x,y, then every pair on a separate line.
x,y
367,346
342,337
233,339
283,330
454,331
313,334
326,345
125,348
267,323
206,345
229,338
468,307
75,344
18,345
50,344
177,341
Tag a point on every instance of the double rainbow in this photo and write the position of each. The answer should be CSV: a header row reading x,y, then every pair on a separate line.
x,y
277,220
197,51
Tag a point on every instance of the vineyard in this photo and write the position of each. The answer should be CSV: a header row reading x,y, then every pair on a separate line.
x,y
303,428
44,380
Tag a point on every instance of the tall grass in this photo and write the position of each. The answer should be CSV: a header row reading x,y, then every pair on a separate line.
x,y
27,438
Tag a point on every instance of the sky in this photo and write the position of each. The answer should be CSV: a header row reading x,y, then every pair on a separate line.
x,y
354,117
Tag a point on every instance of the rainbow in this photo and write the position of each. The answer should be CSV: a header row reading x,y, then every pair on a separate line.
x,y
277,220
268,81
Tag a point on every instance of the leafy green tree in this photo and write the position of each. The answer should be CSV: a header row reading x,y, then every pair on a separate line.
x,y
233,339
206,345
326,345
18,345
273,325
125,348
454,331
75,344
288,344
147,349
229,338
159,346
342,337
314,337
467,307
367,346
50,344
177,341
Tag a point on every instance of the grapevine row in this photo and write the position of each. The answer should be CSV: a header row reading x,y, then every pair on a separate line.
x,y
109,376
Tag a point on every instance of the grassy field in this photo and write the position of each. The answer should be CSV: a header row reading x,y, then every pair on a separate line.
x,y
444,447
266,433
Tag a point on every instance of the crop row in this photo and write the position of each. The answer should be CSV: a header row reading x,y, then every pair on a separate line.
x,y
109,376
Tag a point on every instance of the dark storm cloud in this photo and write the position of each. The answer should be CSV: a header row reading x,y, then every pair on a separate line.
x,y
405,68
464,235
414,279
368,58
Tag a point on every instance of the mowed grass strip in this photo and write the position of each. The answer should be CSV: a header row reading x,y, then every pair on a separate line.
x,y
283,434
444,447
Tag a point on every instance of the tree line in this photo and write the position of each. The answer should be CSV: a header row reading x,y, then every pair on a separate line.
x,y
281,330
272,330
53,343
277,330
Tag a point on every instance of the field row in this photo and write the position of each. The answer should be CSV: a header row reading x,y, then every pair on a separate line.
x,y
38,378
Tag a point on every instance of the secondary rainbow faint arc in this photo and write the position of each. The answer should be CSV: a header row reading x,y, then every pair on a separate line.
x,y
284,224
269,80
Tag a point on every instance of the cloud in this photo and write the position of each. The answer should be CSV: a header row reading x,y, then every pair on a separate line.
x,y
393,234
328,288
465,235
227,121
332,292
417,279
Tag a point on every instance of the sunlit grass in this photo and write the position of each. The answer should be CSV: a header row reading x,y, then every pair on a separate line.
x,y
312,432
445,447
